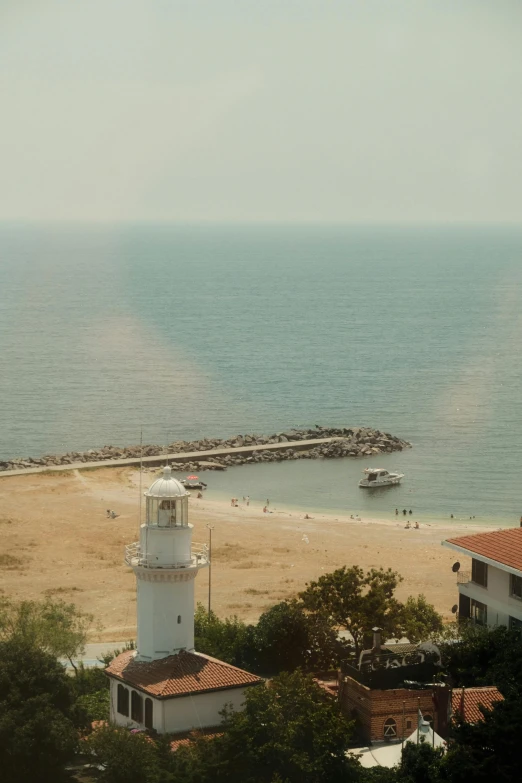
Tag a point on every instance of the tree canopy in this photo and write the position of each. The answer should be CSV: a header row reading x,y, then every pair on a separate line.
x,y
356,601
37,736
57,627
290,731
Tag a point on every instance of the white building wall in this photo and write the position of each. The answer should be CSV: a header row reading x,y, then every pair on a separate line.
x,y
200,711
165,618
179,714
158,712
501,605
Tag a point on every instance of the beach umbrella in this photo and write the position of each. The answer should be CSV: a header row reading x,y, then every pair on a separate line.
x,y
192,478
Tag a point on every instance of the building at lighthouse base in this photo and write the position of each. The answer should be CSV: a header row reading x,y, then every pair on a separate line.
x,y
176,693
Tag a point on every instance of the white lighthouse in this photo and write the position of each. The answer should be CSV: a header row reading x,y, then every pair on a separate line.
x,y
164,685
165,563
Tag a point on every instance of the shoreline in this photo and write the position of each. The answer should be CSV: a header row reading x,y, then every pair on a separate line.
x,y
58,542
480,524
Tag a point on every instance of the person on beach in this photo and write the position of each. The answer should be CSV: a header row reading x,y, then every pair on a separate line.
x,y
232,501
265,509
396,512
267,502
109,513
248,500
113,515
416,526
407,525
410,511
200,495
404,511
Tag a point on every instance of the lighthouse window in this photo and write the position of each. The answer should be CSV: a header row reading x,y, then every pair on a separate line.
x,y
123,701
136,707
148,714
179,619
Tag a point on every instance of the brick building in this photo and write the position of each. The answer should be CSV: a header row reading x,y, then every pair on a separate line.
x,y
385,714
373,690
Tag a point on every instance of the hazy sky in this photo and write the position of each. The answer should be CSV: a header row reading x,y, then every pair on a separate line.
x,y
278,110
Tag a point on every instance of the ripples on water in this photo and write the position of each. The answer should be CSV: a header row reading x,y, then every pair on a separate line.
x,y
191,331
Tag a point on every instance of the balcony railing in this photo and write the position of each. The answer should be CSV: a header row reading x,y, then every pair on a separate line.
x,y
463,577
135,557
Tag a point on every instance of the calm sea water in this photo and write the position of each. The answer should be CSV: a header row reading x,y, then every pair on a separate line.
x,y
193,331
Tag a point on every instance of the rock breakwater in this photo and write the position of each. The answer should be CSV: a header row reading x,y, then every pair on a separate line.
x,y
349,442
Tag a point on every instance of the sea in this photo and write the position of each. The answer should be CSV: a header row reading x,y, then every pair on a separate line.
x,y
186,331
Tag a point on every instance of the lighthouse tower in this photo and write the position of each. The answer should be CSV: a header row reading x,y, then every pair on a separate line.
x,y
165,685
166,563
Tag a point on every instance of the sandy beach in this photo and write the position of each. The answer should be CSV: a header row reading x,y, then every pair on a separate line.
x,y
57,541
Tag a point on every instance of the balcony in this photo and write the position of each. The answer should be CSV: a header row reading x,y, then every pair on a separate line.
x,y
135,557
463,577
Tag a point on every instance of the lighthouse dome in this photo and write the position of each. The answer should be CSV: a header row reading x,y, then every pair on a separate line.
x,y
166,486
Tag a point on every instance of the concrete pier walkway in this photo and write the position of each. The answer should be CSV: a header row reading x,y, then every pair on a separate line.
x,y
183,456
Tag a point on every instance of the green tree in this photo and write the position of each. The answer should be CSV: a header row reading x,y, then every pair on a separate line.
x,y
356,601
54,626
487,750
484,656
37,737
230,639
290,731
287,637
420,764
418,619
126,757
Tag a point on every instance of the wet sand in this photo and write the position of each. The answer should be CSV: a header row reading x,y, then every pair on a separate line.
x,y
56,540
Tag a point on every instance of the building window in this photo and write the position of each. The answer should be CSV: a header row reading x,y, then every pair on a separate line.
x,y
408,724
516,586
136,707
390,729
464,607
148,714
515,625
123,701
479,572
479,612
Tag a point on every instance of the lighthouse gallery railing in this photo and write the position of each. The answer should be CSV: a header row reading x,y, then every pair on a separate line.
x,y
135,557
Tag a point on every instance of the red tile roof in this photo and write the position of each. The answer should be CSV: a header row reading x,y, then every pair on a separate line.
x,y
472,698
178,675
504,546
186,737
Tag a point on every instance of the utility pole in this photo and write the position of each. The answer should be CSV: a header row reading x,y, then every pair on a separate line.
x,y
210,529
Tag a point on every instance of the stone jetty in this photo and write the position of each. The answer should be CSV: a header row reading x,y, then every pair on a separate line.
x,y
218,454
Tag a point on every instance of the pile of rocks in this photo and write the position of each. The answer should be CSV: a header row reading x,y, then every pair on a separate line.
x,y
354,442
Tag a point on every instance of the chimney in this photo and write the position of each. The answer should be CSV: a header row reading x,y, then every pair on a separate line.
x,y
442,709
376,639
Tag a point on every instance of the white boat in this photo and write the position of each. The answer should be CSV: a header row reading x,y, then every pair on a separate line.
x,y
377,477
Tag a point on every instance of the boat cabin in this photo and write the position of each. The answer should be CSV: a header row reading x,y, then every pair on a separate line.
x,y
372,474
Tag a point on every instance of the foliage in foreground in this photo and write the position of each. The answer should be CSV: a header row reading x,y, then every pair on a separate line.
x,y
483,656
37,736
